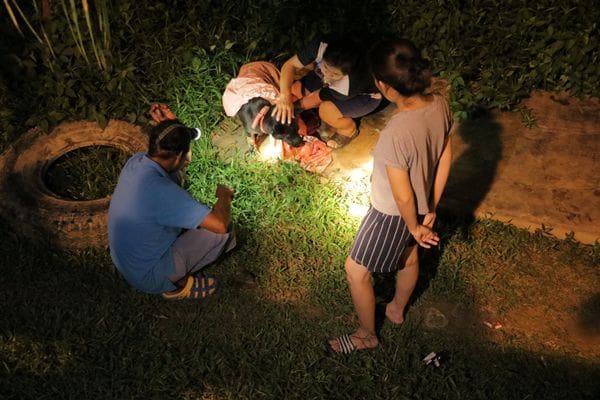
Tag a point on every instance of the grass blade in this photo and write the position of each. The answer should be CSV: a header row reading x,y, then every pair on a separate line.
x,y
68,19
105,24
77,32
27,22
88,21
48,43
12,16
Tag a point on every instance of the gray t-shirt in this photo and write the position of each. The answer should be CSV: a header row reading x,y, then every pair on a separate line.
x,y
412,141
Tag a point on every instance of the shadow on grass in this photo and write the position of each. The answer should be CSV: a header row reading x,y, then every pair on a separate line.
x,y
71,328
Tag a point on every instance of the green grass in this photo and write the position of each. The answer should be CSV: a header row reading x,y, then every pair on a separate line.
x,y
87,173
71,328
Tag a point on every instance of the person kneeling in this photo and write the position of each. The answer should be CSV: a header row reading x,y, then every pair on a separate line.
x,y
159,235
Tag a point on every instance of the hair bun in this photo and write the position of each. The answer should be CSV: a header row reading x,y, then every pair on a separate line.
x,y
398,63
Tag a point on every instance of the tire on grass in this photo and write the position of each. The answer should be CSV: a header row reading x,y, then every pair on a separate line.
x,y
33,209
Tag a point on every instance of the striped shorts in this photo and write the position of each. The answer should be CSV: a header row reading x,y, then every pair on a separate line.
x,y
380,242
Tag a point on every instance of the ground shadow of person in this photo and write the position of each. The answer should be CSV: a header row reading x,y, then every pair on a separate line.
x,y
477,150
589,316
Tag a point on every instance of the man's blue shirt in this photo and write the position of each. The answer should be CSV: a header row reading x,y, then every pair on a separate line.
x,y
148,210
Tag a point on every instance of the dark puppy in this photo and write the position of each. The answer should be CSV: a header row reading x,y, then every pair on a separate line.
x,y
257,121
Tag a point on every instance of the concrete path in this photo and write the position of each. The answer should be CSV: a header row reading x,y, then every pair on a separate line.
x,y
548,174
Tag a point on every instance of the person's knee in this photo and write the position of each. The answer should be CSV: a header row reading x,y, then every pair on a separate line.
x,y
332,116
329,112
356,274
412,260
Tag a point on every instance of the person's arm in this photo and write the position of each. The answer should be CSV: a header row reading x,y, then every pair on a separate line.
x,y
219,218
405,200
439,183
284,106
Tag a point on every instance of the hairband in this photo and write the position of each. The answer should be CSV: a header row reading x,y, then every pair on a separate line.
x,y
167,130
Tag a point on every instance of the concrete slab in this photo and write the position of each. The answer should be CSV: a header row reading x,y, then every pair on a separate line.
x,y
548,174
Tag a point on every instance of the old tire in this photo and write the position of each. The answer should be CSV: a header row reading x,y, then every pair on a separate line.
x,y
33,209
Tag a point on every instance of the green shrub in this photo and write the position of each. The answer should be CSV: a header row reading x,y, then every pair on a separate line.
x,y
493,53
6,115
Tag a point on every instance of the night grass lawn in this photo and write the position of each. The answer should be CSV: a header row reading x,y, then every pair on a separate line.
x,y
71,328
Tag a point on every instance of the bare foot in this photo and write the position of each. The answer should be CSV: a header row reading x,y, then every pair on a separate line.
x,y
393,314
357,341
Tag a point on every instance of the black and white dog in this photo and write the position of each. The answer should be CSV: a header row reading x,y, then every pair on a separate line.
x,y
257,121
250,96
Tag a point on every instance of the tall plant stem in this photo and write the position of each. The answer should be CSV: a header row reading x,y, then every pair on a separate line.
x,y
88,21
11,14
77,43
27,22
76,32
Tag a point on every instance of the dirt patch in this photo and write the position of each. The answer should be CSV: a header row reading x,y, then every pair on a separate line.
x,y
456,318
528,176
533,328
557,330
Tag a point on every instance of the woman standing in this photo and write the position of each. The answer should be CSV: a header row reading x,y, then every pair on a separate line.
x,y
411,162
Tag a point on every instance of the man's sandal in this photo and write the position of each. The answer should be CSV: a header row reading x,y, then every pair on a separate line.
x,y
338,141
196,288
347,346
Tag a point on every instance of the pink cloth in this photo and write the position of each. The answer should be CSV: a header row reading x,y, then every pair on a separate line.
x,y
255,79
313,155
261,79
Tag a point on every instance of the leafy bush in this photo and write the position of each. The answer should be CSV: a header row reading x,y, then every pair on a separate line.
x,y
493,53
6,115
